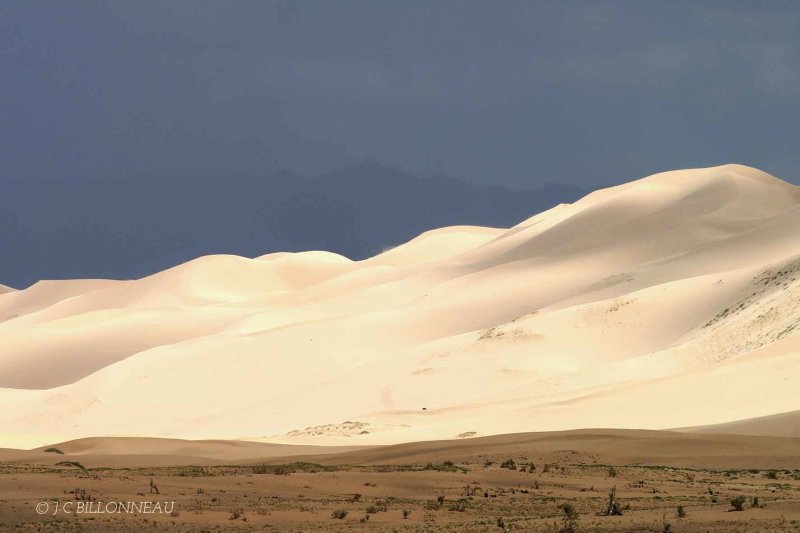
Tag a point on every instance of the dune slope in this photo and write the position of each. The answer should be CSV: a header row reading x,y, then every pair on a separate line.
x,y
655,304
692,447
778,425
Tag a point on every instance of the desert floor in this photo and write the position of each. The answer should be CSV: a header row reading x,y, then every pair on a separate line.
x,y
458,485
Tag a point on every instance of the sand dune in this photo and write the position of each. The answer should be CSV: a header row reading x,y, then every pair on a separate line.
x,y
436,244
44,355
604,446
655,304
692,448
779,425
227,450
44,294
138,451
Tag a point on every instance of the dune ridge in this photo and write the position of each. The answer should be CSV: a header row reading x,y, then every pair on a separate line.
x,y
656,304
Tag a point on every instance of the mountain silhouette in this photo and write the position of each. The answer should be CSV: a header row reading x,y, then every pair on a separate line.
x,y
128,228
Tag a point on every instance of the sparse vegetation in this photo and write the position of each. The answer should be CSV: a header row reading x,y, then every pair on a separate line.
x,y
446,466
290,468
54,450
194,471
500,499
82,495
71,463
569,519
377,507
459,505
509,463
612,504
738,503
431,505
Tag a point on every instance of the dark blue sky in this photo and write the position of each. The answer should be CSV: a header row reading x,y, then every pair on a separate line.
x,y
512,93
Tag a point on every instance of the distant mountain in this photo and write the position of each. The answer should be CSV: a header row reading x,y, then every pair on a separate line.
x,y
109,228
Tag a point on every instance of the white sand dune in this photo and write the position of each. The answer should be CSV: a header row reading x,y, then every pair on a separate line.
x,y
43,294
666,302
436,244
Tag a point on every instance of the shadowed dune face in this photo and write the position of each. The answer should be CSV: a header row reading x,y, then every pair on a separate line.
x,y
143,451
658,303
653,448
691,448
777,425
